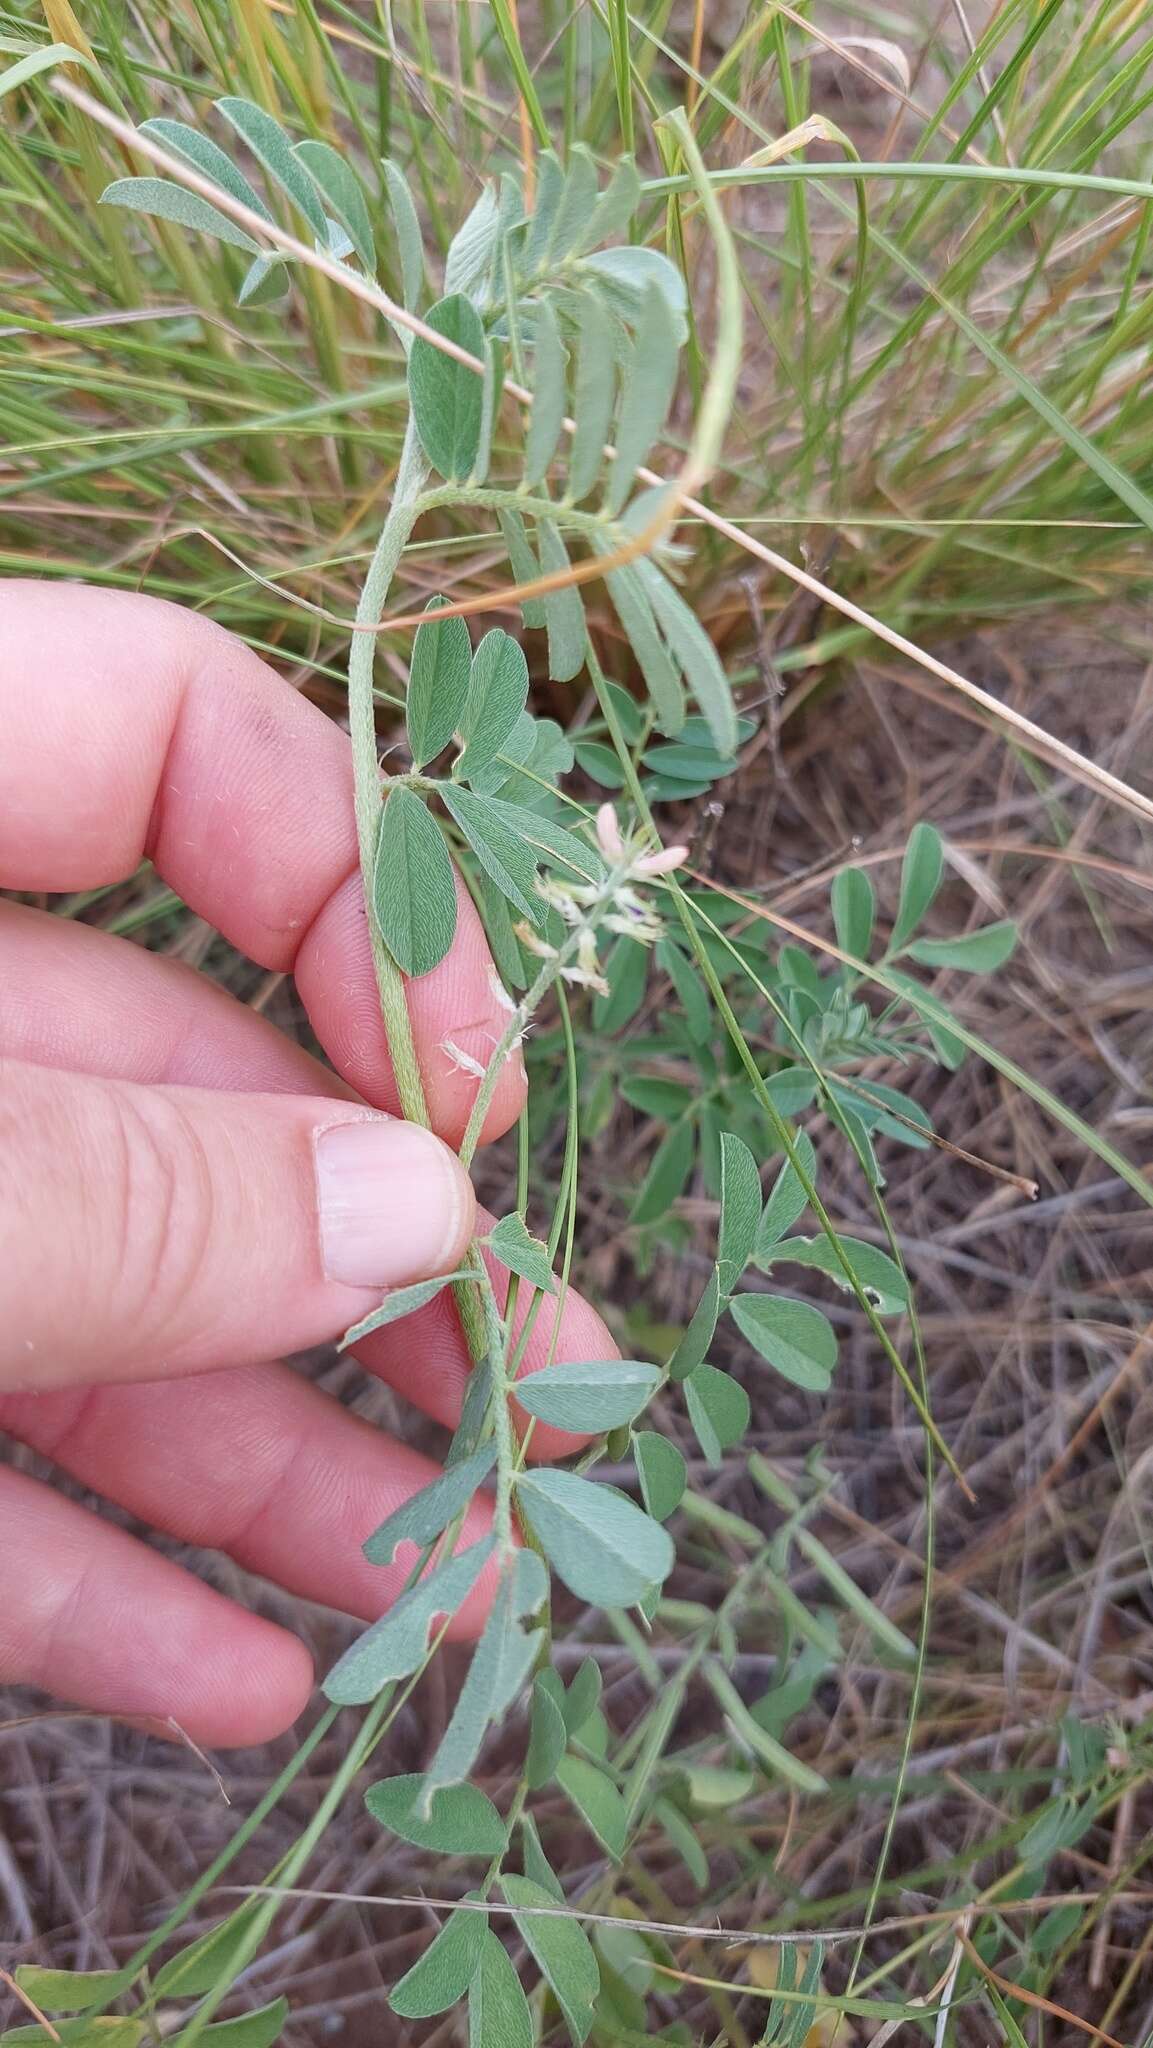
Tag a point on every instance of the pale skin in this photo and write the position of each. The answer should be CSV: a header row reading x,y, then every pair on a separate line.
x,y
188,1196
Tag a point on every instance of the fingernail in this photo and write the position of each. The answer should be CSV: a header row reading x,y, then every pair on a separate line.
x,y
395,1204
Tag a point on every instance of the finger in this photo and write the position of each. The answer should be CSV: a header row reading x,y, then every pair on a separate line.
x,y
97,1618
74,997
134,728
256,1462
426,1357
148,1231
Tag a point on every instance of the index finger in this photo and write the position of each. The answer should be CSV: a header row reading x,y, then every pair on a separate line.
x,y
134,729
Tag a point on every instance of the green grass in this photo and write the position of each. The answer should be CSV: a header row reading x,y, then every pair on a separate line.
x,y
943,422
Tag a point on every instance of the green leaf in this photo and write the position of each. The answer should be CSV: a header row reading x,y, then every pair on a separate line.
x,y
699,1335
206,156
396,1644
537,1867
496,697
662,1472
583,1696
257,2029
265,282
696,657
854,907
788,1199
548,397
445,1970
597,1801
548,1736
625,276
670,1168
649,385
879,1276
471,250
599,763
562,1951
796,1339
208,1961
666,1099
921,872
166,201
549,844
979,952
715,1785
72,1990
753,1737
740,1208
427,1515
577,201
502,853
446,395
588,1399
525,568
409,241
662,678
593,397
463,1821
682,1835
413,888
343,195
615,207
273,150
491,392
549,192
606,1550
500,1664
438,684
521,1253
564,613
718,1410
403,1301
498,2011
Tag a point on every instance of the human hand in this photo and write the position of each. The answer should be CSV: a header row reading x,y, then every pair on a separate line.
x,y
186,1194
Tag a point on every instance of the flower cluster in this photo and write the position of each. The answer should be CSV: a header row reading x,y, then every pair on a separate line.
x,y
614,904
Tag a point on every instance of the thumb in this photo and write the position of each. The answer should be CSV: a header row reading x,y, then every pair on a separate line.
x,y
147,1231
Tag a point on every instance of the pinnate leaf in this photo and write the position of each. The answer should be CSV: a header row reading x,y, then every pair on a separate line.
x,y
662,1473
167,201
740,1208
605,1548
413,889
438,684
787,1200
257,2029
597,1801
921,872
649,384
583,1696
396,1644
206,156
562,1950
208,1961
500,1664
403,1301
512,1243
588,1399
796,1339
564,613
548,1736
445,394
718,1410
499,2015
72,1990
854,906
979,952
445,1970
548,398
699,1335
271,147
343,195
463,1820
879,1276
427,1515
593,397
496,697
409,242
